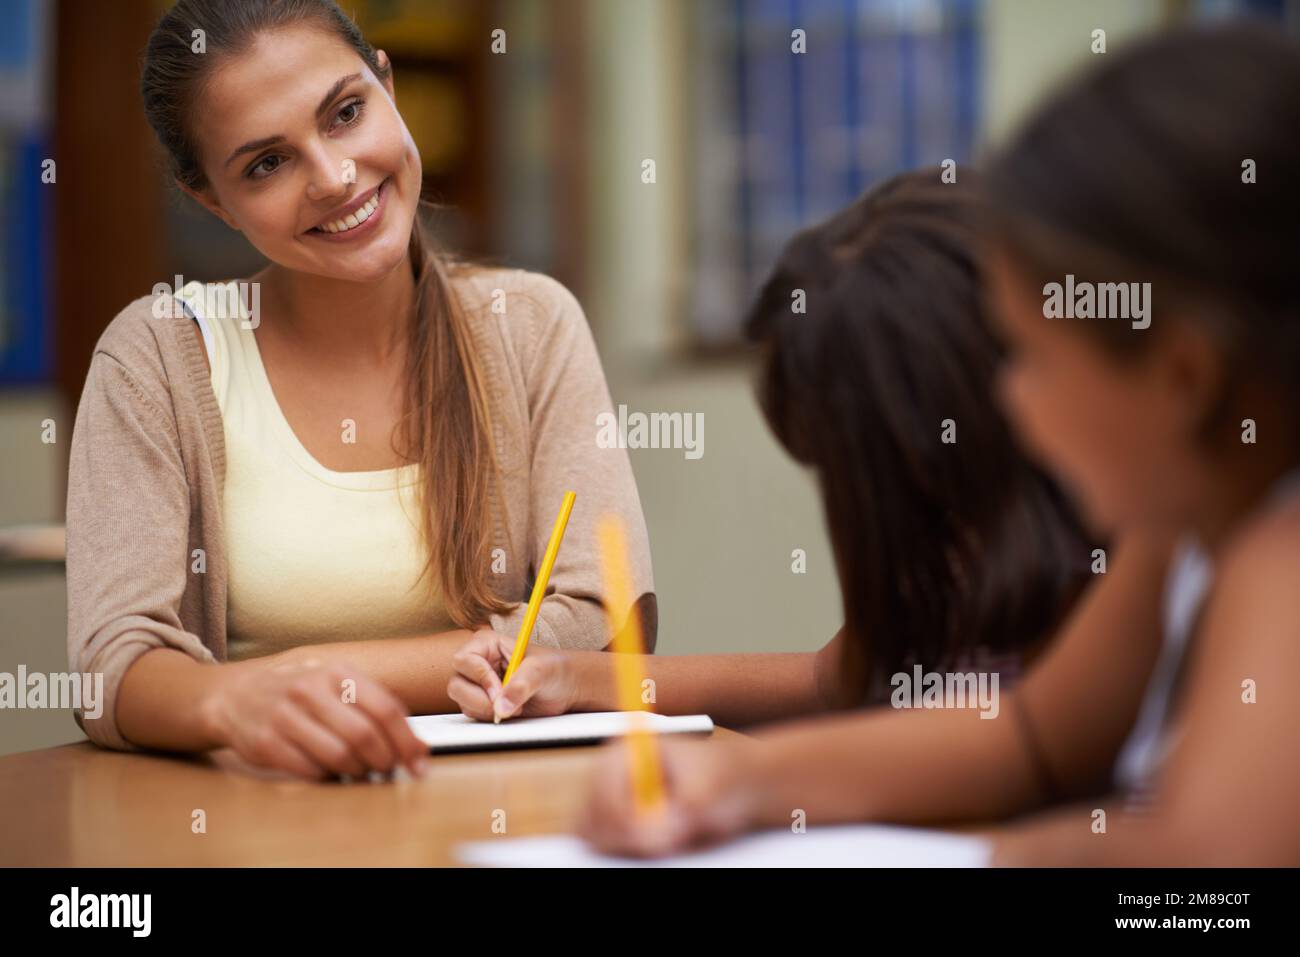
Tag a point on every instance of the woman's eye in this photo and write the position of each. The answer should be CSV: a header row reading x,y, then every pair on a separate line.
x,y
351,112
259,169
348,115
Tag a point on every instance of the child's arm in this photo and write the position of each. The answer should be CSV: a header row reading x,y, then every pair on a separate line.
x,y
1078,704
736,689
1229,791
925,766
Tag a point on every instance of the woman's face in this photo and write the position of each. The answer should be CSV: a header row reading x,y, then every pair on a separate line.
x,y
1120,435
289,154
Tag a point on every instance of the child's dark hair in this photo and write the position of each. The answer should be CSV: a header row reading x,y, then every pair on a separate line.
x,y
943,549
1175,162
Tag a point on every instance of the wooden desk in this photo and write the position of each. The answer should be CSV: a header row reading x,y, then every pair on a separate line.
x,y
81,806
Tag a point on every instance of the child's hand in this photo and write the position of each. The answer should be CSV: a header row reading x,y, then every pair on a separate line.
x,y
543,685
313,720
711,794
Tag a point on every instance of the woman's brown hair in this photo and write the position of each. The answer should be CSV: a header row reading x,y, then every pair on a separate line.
x,y
447,425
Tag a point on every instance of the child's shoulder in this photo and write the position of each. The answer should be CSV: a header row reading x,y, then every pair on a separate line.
x,y
1260,569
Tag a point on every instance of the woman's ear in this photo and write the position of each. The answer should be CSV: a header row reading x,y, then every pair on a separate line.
x,y
387,81
201,197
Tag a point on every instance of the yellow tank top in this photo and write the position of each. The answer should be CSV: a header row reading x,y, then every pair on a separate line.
x,y
313,555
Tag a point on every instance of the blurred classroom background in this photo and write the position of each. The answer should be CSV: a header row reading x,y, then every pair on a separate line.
x,y
538,155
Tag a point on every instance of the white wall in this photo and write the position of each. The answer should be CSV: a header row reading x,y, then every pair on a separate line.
x,y
722,528
33,605
1030,45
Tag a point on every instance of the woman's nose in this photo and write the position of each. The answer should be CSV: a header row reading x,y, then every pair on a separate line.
x,y
330,175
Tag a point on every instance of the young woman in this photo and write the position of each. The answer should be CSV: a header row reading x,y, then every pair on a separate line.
x,y
286,511
1167,708
953,552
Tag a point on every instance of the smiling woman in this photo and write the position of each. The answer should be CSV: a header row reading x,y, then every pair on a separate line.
x,y
348,485
363,211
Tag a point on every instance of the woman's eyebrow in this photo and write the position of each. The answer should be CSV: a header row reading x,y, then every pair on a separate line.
x,y
252,146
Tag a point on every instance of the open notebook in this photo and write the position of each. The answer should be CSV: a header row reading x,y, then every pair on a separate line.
x,y
445,733
847,846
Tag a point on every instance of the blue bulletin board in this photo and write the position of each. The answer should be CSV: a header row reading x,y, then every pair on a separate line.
x,y
25,333
25,201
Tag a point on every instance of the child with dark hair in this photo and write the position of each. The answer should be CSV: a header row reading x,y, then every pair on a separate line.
x,y
1165,181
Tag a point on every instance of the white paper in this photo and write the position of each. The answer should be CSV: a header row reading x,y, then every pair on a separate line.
x,y
846,846
456,732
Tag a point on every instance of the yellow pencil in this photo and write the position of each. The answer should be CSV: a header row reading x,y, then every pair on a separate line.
x,y
626,646
539,590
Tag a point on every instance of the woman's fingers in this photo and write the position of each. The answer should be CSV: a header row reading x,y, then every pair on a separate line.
x,y
350,722
314,720
325,748
470,698
269,749
516,694
473,664
389,716
537,682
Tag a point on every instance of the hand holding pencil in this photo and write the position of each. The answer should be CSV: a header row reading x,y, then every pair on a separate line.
x,y
627,646
539,592
476,687
711,791
651,797
544,684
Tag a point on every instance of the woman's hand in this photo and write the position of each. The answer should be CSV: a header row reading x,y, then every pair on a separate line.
x,y
712,791
544,684
314,720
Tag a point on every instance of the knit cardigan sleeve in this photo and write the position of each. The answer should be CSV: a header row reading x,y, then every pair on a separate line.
x,y
128,516
565,394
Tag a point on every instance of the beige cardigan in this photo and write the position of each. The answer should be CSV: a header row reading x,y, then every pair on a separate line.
x,y
147,464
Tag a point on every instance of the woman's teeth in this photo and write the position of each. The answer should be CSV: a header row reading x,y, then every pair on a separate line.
x,y
352,220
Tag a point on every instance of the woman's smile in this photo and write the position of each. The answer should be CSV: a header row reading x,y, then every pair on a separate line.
x,y
353,221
